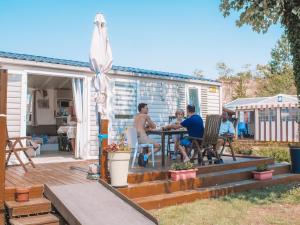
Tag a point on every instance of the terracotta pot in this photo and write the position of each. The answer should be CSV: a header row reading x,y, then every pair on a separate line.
x,y
265,175
183,174
22,194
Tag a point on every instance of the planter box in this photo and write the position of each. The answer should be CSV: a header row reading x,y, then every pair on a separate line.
x,y
22,194
182,174
118,168
265,175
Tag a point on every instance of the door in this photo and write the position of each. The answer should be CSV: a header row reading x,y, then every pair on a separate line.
x,y
193,98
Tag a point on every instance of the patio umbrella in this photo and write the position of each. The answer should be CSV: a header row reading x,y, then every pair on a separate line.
x,y
101,63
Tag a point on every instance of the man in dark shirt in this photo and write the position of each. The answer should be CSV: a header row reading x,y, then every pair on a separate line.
x,y
195,128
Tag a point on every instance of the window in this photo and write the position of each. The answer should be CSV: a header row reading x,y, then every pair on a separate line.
x,y
194,99
290,114
267,115
125,99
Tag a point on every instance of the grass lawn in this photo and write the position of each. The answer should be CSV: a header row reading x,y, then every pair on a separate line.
x,y
275,205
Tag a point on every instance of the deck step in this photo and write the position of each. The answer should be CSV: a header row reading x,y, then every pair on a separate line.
x,y
33,206
146,176
202,180
46,219
178,197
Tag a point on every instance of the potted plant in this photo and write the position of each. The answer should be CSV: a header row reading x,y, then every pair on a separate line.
x,y
118,156
262,172
182,171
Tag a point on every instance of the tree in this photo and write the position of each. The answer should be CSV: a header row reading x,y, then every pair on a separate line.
x,y
198,73
224,71
277,76
261,14
281,58
275,83
242,78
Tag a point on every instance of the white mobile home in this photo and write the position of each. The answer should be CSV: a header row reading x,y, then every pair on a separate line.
x,y
274,118
46,86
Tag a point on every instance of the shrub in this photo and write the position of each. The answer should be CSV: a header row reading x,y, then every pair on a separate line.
x,y
182,166
262,167
242,148
279,154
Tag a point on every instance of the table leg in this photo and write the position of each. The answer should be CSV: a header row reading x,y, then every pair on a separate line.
x,y
163,150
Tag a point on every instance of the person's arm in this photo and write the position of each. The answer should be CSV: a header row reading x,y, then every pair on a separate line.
x,y
174,126
150,123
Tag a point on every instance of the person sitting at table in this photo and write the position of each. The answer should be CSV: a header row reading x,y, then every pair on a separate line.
x,y
226,130
143,123
195,128
179,114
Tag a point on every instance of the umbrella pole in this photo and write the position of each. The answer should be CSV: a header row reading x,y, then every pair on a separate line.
x,y
100,142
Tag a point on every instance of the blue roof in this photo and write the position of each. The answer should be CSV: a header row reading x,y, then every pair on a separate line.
x,y
43,59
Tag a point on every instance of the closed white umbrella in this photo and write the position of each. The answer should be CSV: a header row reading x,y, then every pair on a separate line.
x,y
101,63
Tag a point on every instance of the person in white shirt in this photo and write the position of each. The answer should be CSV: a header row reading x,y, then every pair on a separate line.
x,y
226,130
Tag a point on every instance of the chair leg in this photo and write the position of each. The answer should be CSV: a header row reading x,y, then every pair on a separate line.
x,y
7,159
232,152
20,161
152,150
134,156
29,159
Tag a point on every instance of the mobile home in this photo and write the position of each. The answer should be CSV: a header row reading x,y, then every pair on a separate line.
x,y
41,89
275,118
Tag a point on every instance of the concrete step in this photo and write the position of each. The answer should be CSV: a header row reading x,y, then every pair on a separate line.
x,y
145,176
46,219
178,197
203,180
33,206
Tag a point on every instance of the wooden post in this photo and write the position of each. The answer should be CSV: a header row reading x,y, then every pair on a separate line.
x,y
103,169
3,138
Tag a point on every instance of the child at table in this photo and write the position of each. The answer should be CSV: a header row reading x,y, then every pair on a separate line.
x,y
179,114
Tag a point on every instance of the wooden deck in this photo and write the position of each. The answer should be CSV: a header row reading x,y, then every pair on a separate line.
x,y
48,173
54,174
61,173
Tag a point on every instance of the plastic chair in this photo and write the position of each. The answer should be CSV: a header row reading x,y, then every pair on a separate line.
x,y
132,140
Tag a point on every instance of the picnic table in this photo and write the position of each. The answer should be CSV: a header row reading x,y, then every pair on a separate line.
x,y
163,134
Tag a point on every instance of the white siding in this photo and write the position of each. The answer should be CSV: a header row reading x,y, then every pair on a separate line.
x,y
204,102
14,93
163,98
213,99
124,105
93,128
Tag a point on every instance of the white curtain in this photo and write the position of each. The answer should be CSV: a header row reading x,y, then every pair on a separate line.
x,y
77,85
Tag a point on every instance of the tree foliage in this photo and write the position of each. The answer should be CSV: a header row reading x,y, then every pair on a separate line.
x,y
278,76
224,71
261,14
199,73
281,58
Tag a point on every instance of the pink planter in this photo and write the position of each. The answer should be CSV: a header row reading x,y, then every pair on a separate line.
x,y
265,175
182,174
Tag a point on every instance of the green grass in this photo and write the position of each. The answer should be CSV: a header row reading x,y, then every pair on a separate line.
x,y
276,205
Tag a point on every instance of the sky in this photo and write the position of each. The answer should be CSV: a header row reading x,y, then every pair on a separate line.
x,y
173,36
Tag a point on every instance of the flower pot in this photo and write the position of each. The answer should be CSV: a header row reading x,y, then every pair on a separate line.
x,y
182,174
264,175
22,194
118,168
295,158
